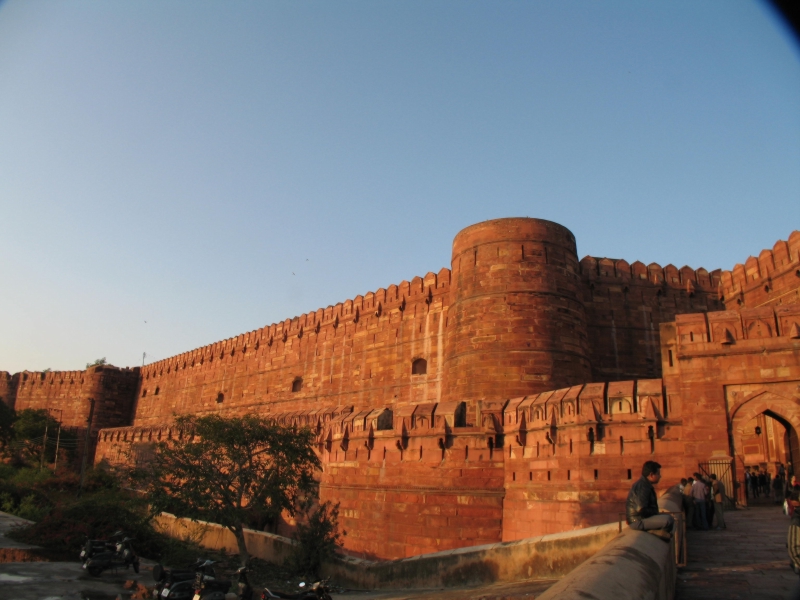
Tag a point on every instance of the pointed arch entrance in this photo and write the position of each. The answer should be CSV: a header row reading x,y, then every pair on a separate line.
x,y
764,430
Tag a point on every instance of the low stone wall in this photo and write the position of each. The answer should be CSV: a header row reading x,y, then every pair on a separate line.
x,y
635,566
544,557
267,546
596,562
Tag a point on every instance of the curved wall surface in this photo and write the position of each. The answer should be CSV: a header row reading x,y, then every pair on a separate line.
x,y
516,321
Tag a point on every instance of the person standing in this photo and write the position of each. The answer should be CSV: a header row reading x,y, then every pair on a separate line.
x,y
793,538
718,493
777,489
709,501
688,503
641,507
747,483
699,496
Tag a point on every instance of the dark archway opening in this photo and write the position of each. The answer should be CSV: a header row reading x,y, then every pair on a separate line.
x,y
769,449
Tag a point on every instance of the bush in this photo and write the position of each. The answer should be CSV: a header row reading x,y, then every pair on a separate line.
x,y
316,540
30,510
30,477
64,530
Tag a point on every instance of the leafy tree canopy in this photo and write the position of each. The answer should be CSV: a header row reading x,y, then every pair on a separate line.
x,y
230,470
28,430
31,423
7,416
96,363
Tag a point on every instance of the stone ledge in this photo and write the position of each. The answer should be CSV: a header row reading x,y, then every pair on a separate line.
x,y
635,566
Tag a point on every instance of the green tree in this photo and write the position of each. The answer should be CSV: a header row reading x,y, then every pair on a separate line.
x,y
231,471
7,417
97,363
28,435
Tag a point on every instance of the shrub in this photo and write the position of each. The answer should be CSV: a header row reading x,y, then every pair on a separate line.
x,y
66,527
29,509
316,538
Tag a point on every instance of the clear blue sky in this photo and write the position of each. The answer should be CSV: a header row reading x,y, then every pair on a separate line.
x,y
214,167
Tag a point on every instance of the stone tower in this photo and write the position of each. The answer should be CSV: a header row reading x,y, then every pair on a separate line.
x,y
517,325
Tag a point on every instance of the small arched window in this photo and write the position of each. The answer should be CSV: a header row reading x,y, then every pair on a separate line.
x,y
220,398
144,393
419,367
297,384
156,392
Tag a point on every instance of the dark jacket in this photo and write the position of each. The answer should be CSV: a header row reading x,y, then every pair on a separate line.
x,y
642,501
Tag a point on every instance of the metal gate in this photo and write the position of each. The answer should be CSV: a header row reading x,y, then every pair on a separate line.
x,y
724,472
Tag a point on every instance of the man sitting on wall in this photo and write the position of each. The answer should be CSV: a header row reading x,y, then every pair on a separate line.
x,y
641,509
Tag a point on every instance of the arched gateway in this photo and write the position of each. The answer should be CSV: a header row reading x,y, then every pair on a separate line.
x,y
763,430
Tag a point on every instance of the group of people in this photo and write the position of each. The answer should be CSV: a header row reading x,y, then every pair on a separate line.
x,y
704,501
760,484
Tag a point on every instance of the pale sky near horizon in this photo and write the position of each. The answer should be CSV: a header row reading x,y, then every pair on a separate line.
x,y
176,173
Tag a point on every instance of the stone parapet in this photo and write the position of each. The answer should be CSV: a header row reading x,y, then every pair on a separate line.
x,y
543,557
634,566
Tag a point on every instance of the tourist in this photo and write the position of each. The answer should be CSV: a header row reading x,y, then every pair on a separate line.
x,y
699,493
777,489
641,509
747,482
793,539
763,487
718,492
754,483
709,500
688,503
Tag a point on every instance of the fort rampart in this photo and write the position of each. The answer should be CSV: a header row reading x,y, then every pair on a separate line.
x,y
515,395
435,338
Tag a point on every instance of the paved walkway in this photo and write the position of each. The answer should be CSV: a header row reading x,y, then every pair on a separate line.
x,y
747,560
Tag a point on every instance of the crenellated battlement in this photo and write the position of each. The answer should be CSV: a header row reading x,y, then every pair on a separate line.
x,y
359,310
685,279
771,278
625,304
67,394
728,331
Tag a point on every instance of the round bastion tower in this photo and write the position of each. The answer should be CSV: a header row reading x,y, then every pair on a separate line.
x,y
516,325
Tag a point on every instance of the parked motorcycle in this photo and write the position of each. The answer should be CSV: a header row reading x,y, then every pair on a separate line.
x,y
94,547
123,556
177,584
243,583
207,587
316,591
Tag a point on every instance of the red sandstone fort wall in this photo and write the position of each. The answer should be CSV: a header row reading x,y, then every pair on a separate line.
x,y
358,353
480,447
772,278
514,321
8,388
625,305
730,367
67,394
419,479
